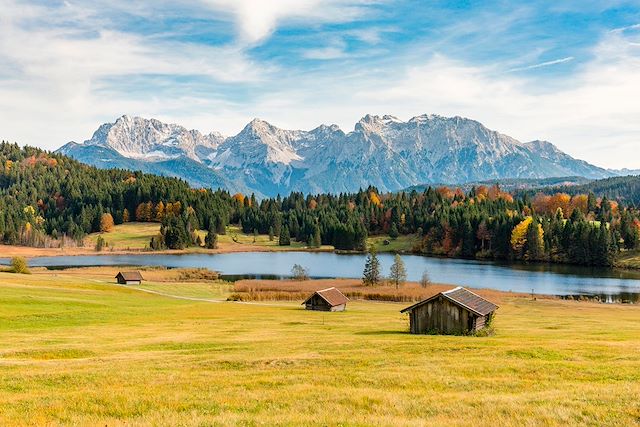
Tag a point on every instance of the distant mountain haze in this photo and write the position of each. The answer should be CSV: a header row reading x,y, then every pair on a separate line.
x,y
382,150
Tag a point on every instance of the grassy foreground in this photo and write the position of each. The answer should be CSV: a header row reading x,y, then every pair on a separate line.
x,y
76,350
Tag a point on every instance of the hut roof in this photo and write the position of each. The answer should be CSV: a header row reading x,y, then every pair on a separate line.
x,y
332,296
464,298
130,275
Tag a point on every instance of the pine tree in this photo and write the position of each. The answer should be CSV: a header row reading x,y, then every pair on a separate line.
x,y
398,272
468,240
211,239
285,239
371,274
317,241
534,242
393,231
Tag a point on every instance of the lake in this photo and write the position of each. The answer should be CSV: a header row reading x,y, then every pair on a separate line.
x,y
536,278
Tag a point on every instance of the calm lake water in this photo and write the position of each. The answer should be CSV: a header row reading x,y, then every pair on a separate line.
x,y
537,278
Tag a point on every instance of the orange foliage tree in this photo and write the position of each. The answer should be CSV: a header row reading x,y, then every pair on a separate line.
x,y
106,223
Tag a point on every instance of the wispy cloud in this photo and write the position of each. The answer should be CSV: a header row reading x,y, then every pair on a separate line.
x,y
626,28
542,64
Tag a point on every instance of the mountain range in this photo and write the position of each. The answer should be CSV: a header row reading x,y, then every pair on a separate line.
x,y
383,151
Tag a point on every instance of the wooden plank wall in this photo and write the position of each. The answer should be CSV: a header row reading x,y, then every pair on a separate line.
x,y
441,315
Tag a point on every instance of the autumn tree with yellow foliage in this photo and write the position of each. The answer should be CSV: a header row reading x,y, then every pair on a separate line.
x,y
106,223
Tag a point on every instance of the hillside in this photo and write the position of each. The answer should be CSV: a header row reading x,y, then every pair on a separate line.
x,y
50,200
625,189
382,151
515,184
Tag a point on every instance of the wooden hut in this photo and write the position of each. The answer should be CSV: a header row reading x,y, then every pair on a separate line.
x,y
456,311
129,277
329,299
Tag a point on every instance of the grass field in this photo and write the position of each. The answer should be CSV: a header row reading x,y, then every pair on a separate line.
x,y
137,235
629,259
401,244
130,235
77,350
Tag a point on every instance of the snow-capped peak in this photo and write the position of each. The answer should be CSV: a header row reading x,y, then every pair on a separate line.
x,y
384,151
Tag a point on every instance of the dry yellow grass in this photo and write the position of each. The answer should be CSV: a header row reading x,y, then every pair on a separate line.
x,y
265,290
78,351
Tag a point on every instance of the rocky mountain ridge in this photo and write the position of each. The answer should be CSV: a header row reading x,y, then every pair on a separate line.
x,y
381,150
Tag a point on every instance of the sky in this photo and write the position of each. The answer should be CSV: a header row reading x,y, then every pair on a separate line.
x,y
563,71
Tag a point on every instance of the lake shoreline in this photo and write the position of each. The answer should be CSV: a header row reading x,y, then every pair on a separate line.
x,y
10,251
549,279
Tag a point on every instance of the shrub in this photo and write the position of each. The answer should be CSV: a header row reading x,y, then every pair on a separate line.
x,y
487,331
191,274
19,265
100,244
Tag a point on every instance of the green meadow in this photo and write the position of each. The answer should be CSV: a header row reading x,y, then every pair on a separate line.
x,y
79,350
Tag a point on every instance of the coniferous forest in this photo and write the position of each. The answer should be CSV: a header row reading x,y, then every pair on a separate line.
x,y
48,199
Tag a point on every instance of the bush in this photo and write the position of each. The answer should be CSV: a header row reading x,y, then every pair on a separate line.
x,y
19,265
192,274
485,332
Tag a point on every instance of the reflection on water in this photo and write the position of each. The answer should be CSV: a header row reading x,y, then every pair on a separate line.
x,y
529,278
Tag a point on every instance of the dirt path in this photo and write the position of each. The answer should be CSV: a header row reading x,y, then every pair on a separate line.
x,y
179,297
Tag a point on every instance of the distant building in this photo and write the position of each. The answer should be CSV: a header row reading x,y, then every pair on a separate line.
x,y
456,311
129,278
329,299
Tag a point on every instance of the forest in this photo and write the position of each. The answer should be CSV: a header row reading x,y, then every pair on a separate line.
x,y
625,189
49,200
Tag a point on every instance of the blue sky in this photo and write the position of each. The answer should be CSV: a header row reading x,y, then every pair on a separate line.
x,y
568,72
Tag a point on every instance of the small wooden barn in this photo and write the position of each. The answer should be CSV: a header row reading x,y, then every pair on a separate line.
x,y
456,311
129,278
330,299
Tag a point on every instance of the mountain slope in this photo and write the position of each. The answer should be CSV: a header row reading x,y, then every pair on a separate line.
x,y
195,173
381,150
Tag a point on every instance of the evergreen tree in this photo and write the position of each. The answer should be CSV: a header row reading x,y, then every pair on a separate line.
x,y
211,239
371,274
285,239
393,231
317,240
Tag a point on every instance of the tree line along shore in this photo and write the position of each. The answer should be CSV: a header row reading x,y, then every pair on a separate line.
x,y
49,200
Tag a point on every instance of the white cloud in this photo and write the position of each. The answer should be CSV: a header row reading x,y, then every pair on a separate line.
x,y
257,19
543,64
591,114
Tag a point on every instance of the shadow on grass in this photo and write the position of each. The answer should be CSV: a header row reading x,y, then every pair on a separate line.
x,y
396,332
